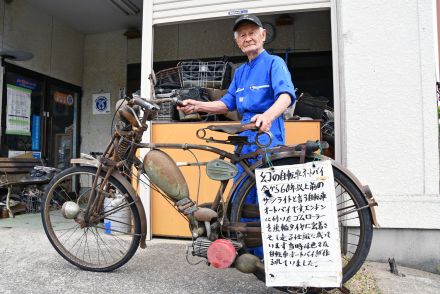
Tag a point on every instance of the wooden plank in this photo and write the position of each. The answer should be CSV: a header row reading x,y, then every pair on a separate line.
x,y
17,165
15,170
33,160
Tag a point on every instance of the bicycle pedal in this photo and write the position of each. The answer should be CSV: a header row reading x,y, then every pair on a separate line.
x,y
186,206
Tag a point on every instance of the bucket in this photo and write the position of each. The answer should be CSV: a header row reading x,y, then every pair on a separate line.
x,y
119,222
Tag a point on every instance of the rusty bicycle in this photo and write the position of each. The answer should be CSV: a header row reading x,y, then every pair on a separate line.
x,y
93,193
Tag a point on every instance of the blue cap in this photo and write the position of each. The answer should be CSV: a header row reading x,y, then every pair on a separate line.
x,y
247,18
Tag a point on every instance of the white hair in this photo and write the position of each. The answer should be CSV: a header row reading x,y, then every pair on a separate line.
x,y
236,33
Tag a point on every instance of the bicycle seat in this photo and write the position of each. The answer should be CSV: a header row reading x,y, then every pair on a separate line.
x,y
232,129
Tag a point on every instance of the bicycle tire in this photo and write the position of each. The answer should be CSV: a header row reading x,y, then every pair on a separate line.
x,y
342,181
120,239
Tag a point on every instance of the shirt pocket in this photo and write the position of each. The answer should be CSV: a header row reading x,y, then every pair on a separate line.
x,y
259,98
258,87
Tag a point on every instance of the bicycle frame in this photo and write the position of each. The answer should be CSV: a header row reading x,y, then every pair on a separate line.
x,y
113,165
224,232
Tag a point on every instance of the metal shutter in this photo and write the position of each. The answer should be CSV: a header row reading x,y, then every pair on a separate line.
x,y
171,11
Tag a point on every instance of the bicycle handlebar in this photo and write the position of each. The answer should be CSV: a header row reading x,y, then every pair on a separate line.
x,y
154,104
145,104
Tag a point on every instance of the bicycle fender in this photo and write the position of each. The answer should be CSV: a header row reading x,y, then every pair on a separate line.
x,y
365,189
140,207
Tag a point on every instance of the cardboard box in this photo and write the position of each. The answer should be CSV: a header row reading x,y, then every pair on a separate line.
x,y
215,94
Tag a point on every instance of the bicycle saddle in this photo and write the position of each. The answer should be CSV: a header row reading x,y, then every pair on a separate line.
x,y
232,129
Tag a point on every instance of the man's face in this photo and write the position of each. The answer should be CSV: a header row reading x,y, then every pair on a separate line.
x,y
250,38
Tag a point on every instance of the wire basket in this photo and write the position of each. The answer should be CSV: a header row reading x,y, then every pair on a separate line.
x,y
168,79
210,74
32,197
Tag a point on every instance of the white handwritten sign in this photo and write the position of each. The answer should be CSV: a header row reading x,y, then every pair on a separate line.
x,y
299,225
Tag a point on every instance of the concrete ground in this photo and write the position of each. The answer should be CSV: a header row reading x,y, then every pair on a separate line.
x,y
29,264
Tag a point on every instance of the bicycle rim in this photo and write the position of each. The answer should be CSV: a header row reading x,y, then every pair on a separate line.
x,y
107,243
355,225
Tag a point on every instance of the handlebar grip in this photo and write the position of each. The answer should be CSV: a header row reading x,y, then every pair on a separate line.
x,y
312,146
145,104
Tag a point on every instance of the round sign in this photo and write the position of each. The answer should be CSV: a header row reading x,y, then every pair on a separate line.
x,y
101,103
270,32
69,99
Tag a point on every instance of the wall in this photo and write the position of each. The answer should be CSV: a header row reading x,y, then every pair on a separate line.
x,y
57,49
391,132
94,62
105,69
412,248
309,32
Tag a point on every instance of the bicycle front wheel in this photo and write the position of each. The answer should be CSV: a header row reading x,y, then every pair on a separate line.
x,y
105,243
354,217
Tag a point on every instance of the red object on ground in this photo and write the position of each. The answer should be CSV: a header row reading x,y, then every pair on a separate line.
x,y
221,253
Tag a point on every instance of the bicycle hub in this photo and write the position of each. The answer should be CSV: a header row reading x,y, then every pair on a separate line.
x,y
70,210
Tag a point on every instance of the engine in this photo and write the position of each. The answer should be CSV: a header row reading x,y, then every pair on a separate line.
x,y
220,253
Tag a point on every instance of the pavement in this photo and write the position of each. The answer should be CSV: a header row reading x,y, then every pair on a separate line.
x,y
29,264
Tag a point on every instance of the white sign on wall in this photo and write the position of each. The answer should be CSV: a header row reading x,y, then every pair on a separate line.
x,y
299,225
101,103
18,110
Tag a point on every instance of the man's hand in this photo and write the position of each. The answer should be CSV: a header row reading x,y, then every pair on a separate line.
x,y
188,106
262,121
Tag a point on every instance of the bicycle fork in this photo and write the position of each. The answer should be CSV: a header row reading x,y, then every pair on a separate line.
x,y
90,215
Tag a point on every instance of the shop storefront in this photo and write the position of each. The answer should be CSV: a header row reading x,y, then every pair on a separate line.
x,y
189,40
40,120
383,79
376,70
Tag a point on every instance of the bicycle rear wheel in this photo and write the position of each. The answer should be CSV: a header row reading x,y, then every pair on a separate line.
x,y
355,222
106,243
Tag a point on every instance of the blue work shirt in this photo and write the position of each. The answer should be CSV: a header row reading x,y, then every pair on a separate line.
x,y
254,89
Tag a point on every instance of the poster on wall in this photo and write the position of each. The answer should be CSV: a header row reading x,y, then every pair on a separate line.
x,y
101,103
18,111
299,225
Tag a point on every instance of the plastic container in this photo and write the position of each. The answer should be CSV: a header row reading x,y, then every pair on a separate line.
x,y
118,222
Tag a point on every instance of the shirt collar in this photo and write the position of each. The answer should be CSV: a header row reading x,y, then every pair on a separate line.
x,y
260,56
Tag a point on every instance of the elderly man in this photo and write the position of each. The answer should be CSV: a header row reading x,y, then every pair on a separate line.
x,y
261,88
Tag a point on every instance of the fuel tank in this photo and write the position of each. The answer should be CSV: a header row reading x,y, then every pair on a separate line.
x,y
164,173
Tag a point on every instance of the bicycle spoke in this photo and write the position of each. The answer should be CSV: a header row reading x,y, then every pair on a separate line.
x,y
350,207
87,243
72,234
347,219
79,246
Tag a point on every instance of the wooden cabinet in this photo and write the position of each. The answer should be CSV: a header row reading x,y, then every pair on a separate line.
x,y
165,220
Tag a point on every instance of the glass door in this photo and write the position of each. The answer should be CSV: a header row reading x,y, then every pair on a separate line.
x,y
62,123
22,109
